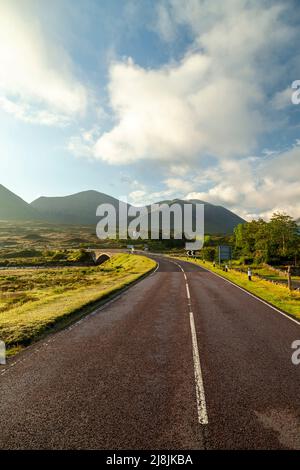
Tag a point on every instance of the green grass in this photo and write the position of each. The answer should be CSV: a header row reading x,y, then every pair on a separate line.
x,y
36,301
272,275
277,295
24,244
42,243
265,271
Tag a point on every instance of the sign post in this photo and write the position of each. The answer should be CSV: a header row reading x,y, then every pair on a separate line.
x,y
224,253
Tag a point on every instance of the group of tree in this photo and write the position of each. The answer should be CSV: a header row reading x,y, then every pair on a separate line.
x,y
276,241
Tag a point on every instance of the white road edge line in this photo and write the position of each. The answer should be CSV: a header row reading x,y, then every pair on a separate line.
x,y
156,267
200,394
246,291
188,291
252,295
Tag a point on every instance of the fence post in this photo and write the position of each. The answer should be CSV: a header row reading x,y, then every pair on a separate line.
x,y
289,278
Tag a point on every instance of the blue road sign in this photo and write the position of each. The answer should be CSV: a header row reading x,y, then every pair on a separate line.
x,y
224,253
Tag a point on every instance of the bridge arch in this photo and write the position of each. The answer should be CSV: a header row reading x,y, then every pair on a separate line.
x,y
101,258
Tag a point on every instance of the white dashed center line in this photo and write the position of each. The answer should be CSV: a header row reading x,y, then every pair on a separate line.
x,y
200,393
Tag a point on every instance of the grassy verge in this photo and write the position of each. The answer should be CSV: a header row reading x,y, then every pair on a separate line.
x,y
266,272
277,295
35,302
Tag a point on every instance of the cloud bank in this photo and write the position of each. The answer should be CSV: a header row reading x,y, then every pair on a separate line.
x,y
214,105
37,83
211,102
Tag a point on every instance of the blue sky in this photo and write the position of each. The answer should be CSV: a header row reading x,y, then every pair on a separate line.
x,y
152,100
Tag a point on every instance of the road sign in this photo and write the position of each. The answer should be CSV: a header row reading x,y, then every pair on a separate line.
x,y
191,253
224,253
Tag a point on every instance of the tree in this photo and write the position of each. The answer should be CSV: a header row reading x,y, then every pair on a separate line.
x,y
208,253
263,241
284,234
251,237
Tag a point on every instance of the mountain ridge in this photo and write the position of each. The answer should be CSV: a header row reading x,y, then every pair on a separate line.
x,y
218,219
13,207
80,209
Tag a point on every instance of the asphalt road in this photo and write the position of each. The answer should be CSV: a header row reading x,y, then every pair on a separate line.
x,y
182,360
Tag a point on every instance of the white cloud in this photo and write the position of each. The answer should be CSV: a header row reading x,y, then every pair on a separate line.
x,y
201,117
251,187
138,197
164,23
143,197
212,102
179,169
81,145
178,185
177,112
282,99
269,186
37,83
30,114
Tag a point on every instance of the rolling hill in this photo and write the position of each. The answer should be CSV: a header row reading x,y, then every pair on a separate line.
x,y
80,208
218,219
12,207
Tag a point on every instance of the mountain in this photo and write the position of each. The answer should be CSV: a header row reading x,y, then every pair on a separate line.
x,y
217,219
80,208
12,207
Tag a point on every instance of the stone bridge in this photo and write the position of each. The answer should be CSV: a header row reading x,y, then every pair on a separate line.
x,y
99,256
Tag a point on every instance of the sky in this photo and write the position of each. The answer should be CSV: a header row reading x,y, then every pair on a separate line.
x,y
150,100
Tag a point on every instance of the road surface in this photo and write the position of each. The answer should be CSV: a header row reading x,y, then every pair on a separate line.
x,y
182,360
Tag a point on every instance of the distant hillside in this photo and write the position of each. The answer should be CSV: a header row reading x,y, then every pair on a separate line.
x,y
12,207
79,208
217,219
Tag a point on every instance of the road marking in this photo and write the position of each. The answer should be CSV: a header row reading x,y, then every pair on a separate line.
x,y
254,296
200,394
156,267
244,290
188,291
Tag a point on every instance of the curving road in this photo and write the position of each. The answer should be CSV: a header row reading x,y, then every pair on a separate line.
x,y
182,360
